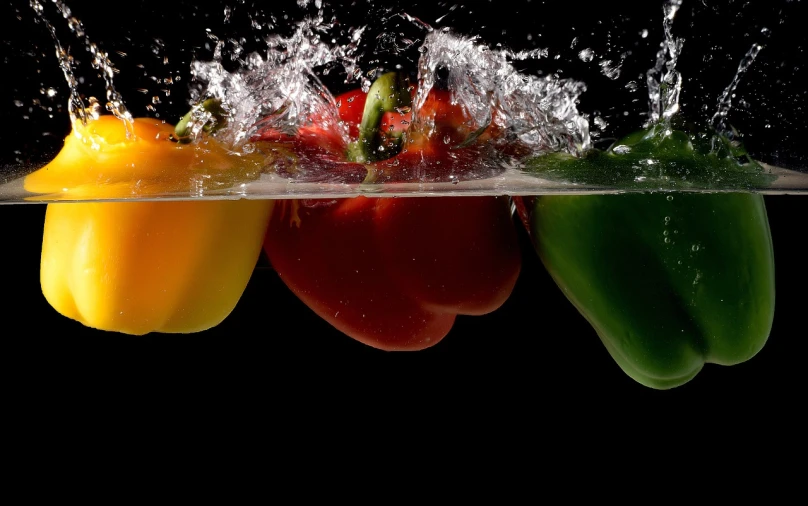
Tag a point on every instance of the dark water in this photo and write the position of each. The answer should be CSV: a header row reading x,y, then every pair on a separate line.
x,y
536,344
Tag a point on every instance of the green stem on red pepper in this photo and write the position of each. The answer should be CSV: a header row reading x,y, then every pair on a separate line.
x,y
388,93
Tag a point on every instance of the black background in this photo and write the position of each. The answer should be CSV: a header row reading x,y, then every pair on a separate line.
x,y
535,351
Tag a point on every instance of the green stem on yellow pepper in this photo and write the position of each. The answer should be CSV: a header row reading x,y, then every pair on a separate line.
x,y
212,107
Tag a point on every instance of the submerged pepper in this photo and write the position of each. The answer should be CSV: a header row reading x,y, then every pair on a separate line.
x,y
394,273
144,266
669,281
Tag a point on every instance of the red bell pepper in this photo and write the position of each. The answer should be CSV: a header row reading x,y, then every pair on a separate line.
x,y
392,150
393,273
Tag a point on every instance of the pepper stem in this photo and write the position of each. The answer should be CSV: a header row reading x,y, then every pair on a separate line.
x,y
388,93
210,111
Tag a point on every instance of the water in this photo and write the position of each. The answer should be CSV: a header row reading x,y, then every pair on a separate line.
x,y
278,77
719,120
663,80
281,91
78,110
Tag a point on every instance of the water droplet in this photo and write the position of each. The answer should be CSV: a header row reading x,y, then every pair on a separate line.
x,y
644,33
586,55
622,149
600,122
609,70
694,248
669,198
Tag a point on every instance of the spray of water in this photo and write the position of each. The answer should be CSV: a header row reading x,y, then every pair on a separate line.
x,y
539,113
79,111
281,89
719,120
664,81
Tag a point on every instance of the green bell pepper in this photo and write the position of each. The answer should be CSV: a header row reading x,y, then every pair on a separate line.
x,y
670,281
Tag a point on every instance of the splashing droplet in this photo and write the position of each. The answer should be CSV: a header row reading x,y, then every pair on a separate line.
x,y
586,55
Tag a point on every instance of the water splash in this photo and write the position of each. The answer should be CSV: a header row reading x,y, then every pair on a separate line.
x,y
719,120
539,113
99,61
75,105
664,81
282,90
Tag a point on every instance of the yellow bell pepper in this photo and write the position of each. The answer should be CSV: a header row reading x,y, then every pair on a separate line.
x,y
144,266
102,160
